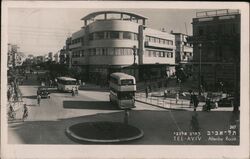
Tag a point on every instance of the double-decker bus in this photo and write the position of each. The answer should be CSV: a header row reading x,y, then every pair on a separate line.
x,y
122,90
66,84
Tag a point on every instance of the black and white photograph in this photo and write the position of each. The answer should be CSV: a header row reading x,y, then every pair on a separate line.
x,y
124,80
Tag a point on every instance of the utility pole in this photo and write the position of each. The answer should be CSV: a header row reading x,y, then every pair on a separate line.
x,y
134,53
200,46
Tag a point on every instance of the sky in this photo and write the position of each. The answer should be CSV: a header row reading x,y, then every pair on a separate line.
x,y
39,31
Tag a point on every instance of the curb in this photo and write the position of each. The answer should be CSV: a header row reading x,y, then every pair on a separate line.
x,y
74,136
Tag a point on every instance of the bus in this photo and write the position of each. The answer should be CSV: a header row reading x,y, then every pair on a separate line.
x,y
122,90
66,84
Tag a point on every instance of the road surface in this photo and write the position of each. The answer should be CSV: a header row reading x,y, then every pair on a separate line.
x,y
46,123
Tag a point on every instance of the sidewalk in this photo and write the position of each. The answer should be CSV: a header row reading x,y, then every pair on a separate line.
x,y
170,103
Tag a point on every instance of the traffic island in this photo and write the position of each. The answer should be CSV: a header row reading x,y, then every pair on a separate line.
x,y
104,132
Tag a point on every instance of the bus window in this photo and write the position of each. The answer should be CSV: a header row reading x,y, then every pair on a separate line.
x,y
127,82
125,95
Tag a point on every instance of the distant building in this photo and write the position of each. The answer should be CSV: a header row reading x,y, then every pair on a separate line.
x,y
113,41
63,56
50,56
216,41
56,58
40,59
184,49
15,57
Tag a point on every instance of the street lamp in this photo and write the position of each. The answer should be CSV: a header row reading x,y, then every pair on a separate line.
x,y
199,46
134,53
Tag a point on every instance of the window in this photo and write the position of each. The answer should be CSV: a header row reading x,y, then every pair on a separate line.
x,y
125,95
200,31
149,53
99,35
167,54
114,35
127,35
111,51
127,82
135,36
154,54
162,54
170,42
91,36
98,51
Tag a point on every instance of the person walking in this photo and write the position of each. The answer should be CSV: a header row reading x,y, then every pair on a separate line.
x,y
25,112
76,91
191,100
196,101
8,94
38,99
146,91
177,97
73,92
165,93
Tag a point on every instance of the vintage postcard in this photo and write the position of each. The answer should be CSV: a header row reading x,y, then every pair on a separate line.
x,y
100,79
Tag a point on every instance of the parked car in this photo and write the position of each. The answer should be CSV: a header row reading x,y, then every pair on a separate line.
x,y
43,92
226,102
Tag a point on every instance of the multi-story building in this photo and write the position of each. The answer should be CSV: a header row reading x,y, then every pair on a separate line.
x,y
50,56
56,58
63,56
112,41
40,59
184,49
216,44
15,57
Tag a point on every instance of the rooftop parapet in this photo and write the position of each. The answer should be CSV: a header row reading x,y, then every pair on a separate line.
x,y
220,12
114,15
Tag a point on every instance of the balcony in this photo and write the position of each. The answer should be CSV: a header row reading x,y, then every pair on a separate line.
x,y
76,45
158,45
187,49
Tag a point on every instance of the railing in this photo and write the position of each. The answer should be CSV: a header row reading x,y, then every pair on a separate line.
x,y
162,102
216,12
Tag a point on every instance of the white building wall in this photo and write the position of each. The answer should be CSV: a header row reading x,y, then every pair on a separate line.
x,y
123,26
113,25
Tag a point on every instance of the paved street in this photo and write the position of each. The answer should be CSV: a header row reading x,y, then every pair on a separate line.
x,y
46,123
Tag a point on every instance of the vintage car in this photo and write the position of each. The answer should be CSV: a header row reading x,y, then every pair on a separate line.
x,y
226,102
43,92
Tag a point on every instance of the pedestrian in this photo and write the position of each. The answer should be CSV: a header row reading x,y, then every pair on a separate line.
x,y
208,104
76,90
177,97
146,91
191,100
196,101
8,94
216,104
25,112
38,99
165,94
50,83
73,92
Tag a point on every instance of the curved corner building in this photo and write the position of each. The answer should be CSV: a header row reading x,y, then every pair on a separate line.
x,y
114,41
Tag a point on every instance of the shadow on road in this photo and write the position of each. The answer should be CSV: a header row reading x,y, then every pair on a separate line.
x,y
158,127
101,105
30,97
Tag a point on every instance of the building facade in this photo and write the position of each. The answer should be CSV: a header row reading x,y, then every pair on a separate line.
x,y
184,49
15,57
113,41
216,44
